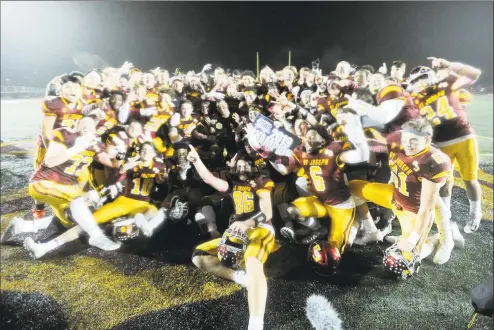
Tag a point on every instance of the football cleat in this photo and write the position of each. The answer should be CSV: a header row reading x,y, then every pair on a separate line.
x,y
372,237
36,250
324,258
232,248
402,265
458,238
288,233
472,225
443,252
38,214
15,227
104,243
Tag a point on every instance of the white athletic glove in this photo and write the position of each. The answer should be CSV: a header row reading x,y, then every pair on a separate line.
x,y
295,91
113,191
148,112
207,67
81,144
215,95
175,120
383,69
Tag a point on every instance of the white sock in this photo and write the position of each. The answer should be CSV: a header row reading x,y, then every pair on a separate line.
x,y
240,277
158,219
475,209
84,218
353,234
32,226
256,323
443,223
447,201
42,223
70,235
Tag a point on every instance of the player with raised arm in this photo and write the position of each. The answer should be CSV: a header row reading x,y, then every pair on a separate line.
x,y
438,102
250,238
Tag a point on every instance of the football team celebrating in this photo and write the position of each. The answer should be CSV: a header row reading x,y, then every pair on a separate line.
x,y
135,150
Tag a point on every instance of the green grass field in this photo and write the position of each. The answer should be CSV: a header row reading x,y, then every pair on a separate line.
x,y
156,287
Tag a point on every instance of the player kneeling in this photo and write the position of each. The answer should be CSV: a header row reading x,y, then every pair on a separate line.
x,y
419,170
58,183
140,178
248,241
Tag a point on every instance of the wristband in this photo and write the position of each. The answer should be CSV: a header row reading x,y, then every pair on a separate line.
x,y
413,238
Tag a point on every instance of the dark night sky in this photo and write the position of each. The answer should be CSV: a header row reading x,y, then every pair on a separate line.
x,y
42,37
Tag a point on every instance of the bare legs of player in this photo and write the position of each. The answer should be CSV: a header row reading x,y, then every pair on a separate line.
x,y
257,288
255,281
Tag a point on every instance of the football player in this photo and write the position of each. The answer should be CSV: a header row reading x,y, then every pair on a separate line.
x,y
140,178
182,124
252,218
324,160
58,183
439,103
63,111
419,170
397,73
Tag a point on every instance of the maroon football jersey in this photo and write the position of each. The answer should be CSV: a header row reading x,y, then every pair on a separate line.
x,y
91,95
440,104
332,104
408,112
65,116
108,122
67,172
326,171
183,126
141,180
408,171
245,195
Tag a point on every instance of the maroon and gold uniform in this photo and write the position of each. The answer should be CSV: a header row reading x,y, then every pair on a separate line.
x,y
326,171
331,194
65,116
158,119
136,196
186,126
440,104
91,95
136,107
59,185
245,195
108,122
407,113
403,197
331,104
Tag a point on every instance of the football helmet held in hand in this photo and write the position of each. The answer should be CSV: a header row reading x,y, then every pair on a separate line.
x,y
232,248
401,264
